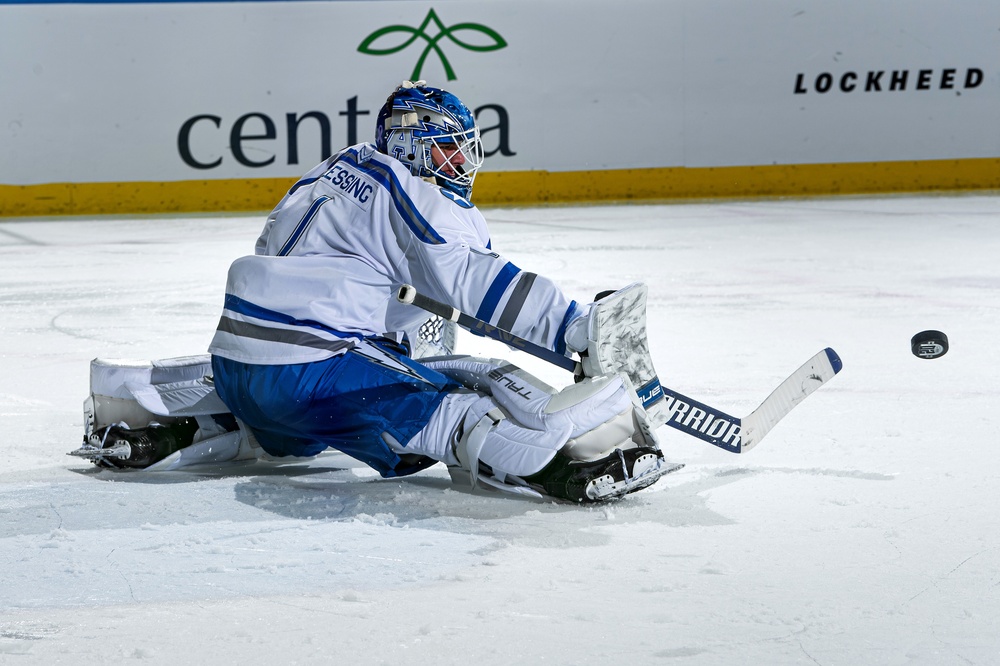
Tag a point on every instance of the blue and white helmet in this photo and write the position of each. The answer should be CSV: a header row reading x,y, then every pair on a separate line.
x,y
416,120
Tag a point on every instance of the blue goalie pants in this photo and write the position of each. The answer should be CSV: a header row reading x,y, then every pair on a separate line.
x,y
345,402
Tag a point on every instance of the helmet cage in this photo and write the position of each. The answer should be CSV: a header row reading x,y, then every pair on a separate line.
x,y
420,123
466,144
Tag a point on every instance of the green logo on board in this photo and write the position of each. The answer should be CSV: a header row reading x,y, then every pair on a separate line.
x,y
411,35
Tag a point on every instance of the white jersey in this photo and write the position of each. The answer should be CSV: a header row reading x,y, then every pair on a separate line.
x,y
338,246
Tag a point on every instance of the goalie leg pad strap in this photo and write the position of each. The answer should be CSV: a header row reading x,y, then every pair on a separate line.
x,y
470,446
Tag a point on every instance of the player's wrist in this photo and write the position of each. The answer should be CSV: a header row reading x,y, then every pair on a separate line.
x,y
577,335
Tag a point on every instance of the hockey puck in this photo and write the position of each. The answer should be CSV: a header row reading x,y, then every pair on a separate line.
x,y
929,344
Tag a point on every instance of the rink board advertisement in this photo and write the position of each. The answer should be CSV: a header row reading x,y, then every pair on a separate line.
x,y
171,106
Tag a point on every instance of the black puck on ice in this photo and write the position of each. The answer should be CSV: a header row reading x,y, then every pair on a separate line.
x,y
929,344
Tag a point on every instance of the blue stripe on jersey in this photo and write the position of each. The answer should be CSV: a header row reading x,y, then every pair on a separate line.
x,y
302,183
302,225
571,314
496,290
240,306
420,227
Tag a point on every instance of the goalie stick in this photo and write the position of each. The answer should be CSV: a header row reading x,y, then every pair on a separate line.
x,y
694,418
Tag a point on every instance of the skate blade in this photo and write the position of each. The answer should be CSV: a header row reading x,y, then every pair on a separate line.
x,y
646,471
119,451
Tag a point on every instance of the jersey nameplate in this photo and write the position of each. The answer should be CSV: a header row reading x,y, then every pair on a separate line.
x,y
354,186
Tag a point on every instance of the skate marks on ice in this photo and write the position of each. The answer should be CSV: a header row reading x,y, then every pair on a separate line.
x,y
429,501
335,488
105,538
9,238
100,541
699,480
121,324
425,501
19,405
744,471
17,636
692,492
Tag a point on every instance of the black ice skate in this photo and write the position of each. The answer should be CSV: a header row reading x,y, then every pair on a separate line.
x,y
621,472
118,446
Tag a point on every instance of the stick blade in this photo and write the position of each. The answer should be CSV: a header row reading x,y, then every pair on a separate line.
x,y
797,387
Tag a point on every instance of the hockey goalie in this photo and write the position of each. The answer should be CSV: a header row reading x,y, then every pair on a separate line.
x,y
313,352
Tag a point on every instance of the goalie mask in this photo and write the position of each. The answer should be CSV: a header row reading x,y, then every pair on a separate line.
x,y
433,133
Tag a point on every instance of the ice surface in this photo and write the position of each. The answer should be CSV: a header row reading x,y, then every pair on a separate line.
x,y
863,529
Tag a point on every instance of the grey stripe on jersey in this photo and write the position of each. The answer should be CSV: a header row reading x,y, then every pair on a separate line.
x,y
283,335
516,301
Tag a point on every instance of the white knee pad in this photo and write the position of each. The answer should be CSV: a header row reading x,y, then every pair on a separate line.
x,y
584,420
468,428
601,413
533,403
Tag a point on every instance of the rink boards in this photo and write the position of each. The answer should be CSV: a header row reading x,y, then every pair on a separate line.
x,y
173,107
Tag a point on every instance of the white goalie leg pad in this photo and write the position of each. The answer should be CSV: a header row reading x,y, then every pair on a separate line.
x,y
191,397
470,445
600,413
469,450
139,392
513,449
533,403
438,438
468,428
617,342
214,445
472,372
222,448
578,408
